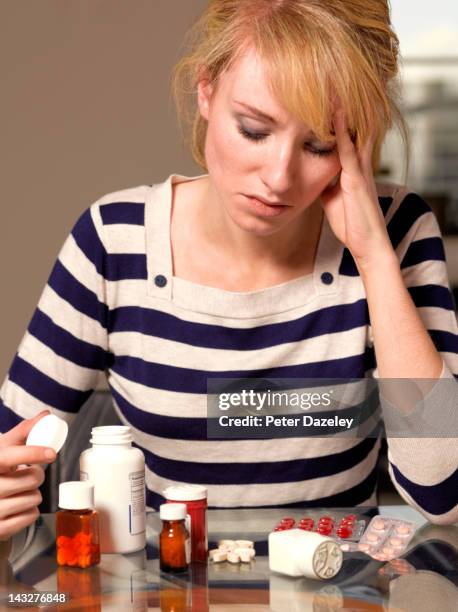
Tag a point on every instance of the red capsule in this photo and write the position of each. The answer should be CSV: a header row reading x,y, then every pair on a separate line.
x,y
344,531
307,521
326,519
305,526
349,518
347,522
324,529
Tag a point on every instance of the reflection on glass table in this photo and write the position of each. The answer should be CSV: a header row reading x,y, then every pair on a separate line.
x,y
425,578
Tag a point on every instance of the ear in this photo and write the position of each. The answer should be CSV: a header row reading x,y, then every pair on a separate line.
x,y
204,94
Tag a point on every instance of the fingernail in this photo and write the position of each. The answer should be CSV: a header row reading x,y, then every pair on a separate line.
x,y
50,454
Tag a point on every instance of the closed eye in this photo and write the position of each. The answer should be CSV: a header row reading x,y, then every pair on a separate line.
x,y
259,136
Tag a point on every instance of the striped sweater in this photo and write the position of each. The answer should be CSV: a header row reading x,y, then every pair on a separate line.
x,y
112,305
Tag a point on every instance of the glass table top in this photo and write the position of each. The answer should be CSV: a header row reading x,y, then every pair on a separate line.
x,y
424,578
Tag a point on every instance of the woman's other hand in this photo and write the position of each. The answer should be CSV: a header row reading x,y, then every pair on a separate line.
x,y
20,476
351,204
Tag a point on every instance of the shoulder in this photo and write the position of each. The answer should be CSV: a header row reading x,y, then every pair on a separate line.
x,y
393,195
116,219
411,223
406,212
123,207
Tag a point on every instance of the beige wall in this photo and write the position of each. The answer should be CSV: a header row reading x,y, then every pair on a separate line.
x,y
85,110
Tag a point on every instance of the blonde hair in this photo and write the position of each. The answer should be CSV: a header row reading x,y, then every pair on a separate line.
x,y
315,51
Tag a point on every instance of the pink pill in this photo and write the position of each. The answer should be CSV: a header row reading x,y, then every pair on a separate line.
x,y
371,537
379,525
395,541
403,529
387,550
363,547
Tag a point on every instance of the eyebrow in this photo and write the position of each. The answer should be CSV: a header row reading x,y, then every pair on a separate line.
x,y
257,111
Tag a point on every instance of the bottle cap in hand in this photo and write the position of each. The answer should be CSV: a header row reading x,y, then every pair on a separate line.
x,y
49,431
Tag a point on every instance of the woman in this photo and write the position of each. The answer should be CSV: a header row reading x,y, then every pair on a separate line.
x,y
285,259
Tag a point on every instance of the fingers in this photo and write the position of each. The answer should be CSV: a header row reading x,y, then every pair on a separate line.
x,y
12,456
19,503
24,479
18,434
352,158
14,524
347,151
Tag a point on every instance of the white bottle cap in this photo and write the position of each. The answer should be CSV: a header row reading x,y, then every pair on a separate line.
x,y
185,492
76,495
49,431
172,512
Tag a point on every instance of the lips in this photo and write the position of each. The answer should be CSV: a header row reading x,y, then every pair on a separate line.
x,y
264,209
267,202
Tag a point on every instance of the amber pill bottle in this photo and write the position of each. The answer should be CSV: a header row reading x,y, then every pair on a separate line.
x,y
174,542
77,525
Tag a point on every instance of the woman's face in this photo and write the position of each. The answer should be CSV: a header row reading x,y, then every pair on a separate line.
x,y
277,159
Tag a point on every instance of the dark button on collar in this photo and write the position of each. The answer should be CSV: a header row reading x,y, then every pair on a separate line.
x,y
327,278
160,280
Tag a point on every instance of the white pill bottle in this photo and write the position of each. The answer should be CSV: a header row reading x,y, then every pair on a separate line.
x,y
117,471
295,552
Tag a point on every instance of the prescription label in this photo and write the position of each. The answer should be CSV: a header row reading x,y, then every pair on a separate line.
x,y
137,515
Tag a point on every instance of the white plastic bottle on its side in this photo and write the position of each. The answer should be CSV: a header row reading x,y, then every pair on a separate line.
x,y
295,552
117,471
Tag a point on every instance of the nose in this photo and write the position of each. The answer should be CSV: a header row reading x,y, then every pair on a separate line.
x,y
279,169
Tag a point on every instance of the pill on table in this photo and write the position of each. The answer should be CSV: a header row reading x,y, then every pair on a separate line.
x,y
220,556
245,554
233,557
226,543
244,543
378,524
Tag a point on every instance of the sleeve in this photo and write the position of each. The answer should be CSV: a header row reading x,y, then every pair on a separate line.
x,y
425,469
65,347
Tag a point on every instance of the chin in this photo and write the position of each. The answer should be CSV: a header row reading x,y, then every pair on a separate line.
x,y
256,226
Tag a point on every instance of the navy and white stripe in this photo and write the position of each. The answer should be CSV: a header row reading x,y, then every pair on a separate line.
x,y
96,314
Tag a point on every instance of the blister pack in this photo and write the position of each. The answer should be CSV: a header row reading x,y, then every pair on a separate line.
x,y
386,538
348,528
